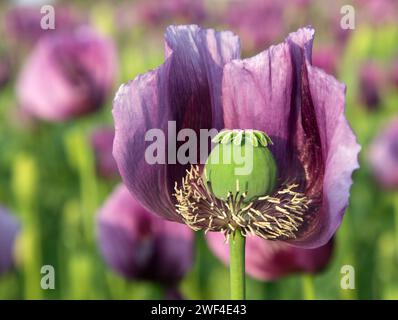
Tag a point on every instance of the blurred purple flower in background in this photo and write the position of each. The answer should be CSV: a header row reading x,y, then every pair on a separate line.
x,y
140,245
102,142
383,156
67,75
326,58
270,260
157,12
23,23
258,22
378,11
154,13
370,82
394,73
5,70
277,91
9,228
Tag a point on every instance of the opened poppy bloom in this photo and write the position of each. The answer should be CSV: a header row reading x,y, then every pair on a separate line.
x,y
271,260
140,245
290,112
9,228
68,74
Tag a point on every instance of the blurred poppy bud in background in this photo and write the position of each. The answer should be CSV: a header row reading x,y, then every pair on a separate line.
x,y
102,142
23,23
9,228
140,245
67,75
370,78
383,156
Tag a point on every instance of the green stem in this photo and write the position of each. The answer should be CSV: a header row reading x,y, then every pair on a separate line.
x,y
237,266
307,282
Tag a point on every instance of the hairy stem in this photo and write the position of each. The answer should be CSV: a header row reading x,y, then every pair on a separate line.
x,y
237,266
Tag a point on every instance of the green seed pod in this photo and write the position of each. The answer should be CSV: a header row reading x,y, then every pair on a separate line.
x,y
241,162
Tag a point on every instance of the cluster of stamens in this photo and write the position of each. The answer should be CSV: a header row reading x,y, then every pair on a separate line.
x,y
279,216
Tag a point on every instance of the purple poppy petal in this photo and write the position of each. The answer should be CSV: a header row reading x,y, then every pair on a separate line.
x,y
139,245
302,109
9,228
185,89
270,260
67,75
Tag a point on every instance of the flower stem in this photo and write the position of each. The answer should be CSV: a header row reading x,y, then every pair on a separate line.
x,y
237,266
307,282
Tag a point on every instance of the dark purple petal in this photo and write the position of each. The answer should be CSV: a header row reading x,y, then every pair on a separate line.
x,y
67,75
140,245
185,89
9,228
302,109
270,260
383,156
102,142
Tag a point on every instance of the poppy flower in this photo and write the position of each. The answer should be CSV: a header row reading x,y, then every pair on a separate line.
x,y
67,75
5,70
9,228
203,84
102,142
259,22
23,23
383,155
394,73
270,260
325,58
155,12
378,12
370,78
139,245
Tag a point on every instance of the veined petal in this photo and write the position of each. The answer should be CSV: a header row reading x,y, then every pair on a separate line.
x,y
302,109
185,89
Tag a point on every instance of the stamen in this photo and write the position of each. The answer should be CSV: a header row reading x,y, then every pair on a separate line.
x,y
281,215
